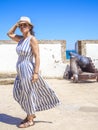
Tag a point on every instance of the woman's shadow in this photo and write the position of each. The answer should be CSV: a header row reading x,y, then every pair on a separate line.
x,y
14,120
9,119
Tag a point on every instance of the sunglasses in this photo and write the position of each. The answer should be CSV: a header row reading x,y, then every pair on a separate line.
x,y
23,25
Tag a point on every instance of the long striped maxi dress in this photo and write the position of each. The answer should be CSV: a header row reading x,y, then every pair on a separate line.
x,y
31,96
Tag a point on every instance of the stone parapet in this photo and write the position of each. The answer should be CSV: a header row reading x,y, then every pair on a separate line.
x,y
88,48
52,57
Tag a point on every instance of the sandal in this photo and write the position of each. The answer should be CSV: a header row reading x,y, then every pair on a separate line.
x,y
26,124
26,119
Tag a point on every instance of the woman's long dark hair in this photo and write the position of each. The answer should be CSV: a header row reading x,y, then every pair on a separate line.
x,y
31,31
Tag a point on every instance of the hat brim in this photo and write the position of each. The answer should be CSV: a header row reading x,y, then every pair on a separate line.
x,y
25,22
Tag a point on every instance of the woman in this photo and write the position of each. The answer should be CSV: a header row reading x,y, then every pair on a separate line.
x,y
30,90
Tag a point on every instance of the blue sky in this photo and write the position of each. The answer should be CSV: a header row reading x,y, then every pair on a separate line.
x,y
69,20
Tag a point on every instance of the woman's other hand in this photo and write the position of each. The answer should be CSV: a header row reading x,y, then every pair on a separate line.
x,y
35,77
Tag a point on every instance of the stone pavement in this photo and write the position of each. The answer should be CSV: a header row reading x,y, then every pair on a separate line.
x,y
78,109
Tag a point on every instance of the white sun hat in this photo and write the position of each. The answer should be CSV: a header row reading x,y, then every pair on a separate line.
x,y
25,19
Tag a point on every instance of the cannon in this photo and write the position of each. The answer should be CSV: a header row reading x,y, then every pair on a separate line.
x,y
81,68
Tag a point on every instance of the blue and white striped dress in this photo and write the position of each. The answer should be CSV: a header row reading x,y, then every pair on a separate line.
x,y
31,96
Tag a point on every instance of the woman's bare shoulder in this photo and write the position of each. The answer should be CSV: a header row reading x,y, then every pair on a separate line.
x,y
34,40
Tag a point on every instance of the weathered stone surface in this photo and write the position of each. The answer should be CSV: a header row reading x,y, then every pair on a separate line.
x,y
5,81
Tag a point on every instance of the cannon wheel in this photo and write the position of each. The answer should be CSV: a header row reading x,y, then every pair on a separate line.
x,y
75,78
97,78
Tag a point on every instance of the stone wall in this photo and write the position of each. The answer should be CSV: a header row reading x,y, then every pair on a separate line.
x,y
88,48
52,56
